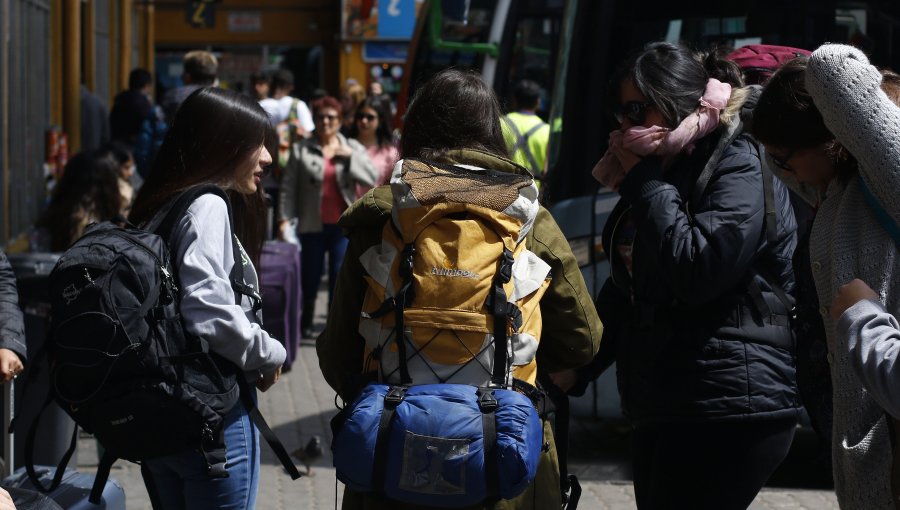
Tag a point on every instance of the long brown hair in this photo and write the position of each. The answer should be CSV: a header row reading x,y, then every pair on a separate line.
x,y
87,191
453,110
214,131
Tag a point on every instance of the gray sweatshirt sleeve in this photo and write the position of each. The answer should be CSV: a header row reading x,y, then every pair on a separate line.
x,y
205,259
873,338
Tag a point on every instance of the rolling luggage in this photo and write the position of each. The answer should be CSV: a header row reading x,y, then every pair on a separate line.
x,y
281,295
73,492
74,489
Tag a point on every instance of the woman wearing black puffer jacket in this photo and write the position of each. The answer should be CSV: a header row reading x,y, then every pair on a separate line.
x,y
704,348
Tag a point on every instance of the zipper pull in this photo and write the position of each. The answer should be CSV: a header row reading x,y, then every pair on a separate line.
x,y
87,276
169,284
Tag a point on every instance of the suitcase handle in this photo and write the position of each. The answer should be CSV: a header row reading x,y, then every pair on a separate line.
x,y
8,439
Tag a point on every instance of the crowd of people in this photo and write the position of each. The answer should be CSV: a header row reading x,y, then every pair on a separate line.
x,y
700,310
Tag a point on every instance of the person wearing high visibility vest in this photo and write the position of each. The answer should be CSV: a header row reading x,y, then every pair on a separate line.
x,y
525,133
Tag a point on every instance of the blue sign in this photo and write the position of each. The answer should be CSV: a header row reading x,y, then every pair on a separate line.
x,y
396,18
380,51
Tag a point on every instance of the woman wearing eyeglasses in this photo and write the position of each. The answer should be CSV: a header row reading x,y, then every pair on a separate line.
x,y
832,128
320,181
702,340
372,128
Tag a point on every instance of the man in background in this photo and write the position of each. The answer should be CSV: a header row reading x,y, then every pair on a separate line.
x,y
200,70
525,133
283,107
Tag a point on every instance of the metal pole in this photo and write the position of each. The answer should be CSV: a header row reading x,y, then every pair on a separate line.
x,y
90,45
9,463
126,11
149,39
72,73
4,121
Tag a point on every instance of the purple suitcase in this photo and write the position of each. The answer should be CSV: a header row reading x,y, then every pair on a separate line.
x,y
280,284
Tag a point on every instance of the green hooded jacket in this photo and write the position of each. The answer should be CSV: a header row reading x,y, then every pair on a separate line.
x,y
570,337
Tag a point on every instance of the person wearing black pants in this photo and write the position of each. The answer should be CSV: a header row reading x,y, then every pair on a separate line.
x,y
697,310
714,465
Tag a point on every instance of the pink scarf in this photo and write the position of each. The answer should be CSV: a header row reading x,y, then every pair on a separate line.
x,y
661,141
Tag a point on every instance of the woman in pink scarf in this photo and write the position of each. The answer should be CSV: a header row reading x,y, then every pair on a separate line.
x,y
697,308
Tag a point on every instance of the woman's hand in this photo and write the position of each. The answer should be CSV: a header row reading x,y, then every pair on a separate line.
x,y
6,501
10,365
608,172
849,294
343,151
266,381
283,225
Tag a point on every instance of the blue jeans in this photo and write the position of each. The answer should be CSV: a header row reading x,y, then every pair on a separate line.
x,y
312,260
181,481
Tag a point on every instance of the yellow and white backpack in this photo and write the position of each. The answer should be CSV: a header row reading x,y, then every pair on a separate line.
x,y
453,272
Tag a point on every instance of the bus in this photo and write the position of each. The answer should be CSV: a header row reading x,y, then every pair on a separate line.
x,y
572,47
503,40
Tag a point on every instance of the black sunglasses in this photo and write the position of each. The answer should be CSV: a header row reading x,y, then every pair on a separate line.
x,y
634,111
368,116
783,163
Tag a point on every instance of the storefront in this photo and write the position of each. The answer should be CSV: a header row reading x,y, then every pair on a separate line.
x,y
249,36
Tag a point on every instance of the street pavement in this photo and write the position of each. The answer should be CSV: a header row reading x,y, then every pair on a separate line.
x,y
301,405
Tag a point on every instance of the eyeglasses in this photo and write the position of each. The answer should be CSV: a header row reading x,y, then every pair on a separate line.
x,y
323,117
783,163
368,116
634,111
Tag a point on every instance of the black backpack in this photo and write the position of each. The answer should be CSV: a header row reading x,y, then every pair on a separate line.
x,y
121,362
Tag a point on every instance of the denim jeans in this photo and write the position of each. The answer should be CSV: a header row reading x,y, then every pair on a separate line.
x,y
331,239
181,481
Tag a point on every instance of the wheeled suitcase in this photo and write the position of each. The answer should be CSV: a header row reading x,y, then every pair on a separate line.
x,y
73,491
74,488
281,295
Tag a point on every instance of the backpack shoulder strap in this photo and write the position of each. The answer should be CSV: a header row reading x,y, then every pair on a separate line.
x,y
177,211
292,115
735,130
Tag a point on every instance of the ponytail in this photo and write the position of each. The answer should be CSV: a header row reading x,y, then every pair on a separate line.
x,y
720,68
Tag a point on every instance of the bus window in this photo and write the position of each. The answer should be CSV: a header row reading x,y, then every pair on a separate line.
x,y
532,57
561,72
474,28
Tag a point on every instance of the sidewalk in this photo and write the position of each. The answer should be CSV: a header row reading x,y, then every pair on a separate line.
x,y
301,405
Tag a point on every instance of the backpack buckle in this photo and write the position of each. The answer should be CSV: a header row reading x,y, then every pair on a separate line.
x,y
486,401
394,396
406,264
506,263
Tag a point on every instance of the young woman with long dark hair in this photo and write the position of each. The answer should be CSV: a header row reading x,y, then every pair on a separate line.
x,y
703,342
372,128
223,138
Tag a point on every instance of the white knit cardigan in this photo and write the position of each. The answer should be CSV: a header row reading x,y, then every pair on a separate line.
x,y
847,242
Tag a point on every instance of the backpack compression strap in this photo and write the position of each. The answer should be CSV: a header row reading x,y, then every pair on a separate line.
x,y
177,211
771,227
404,297
500,309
